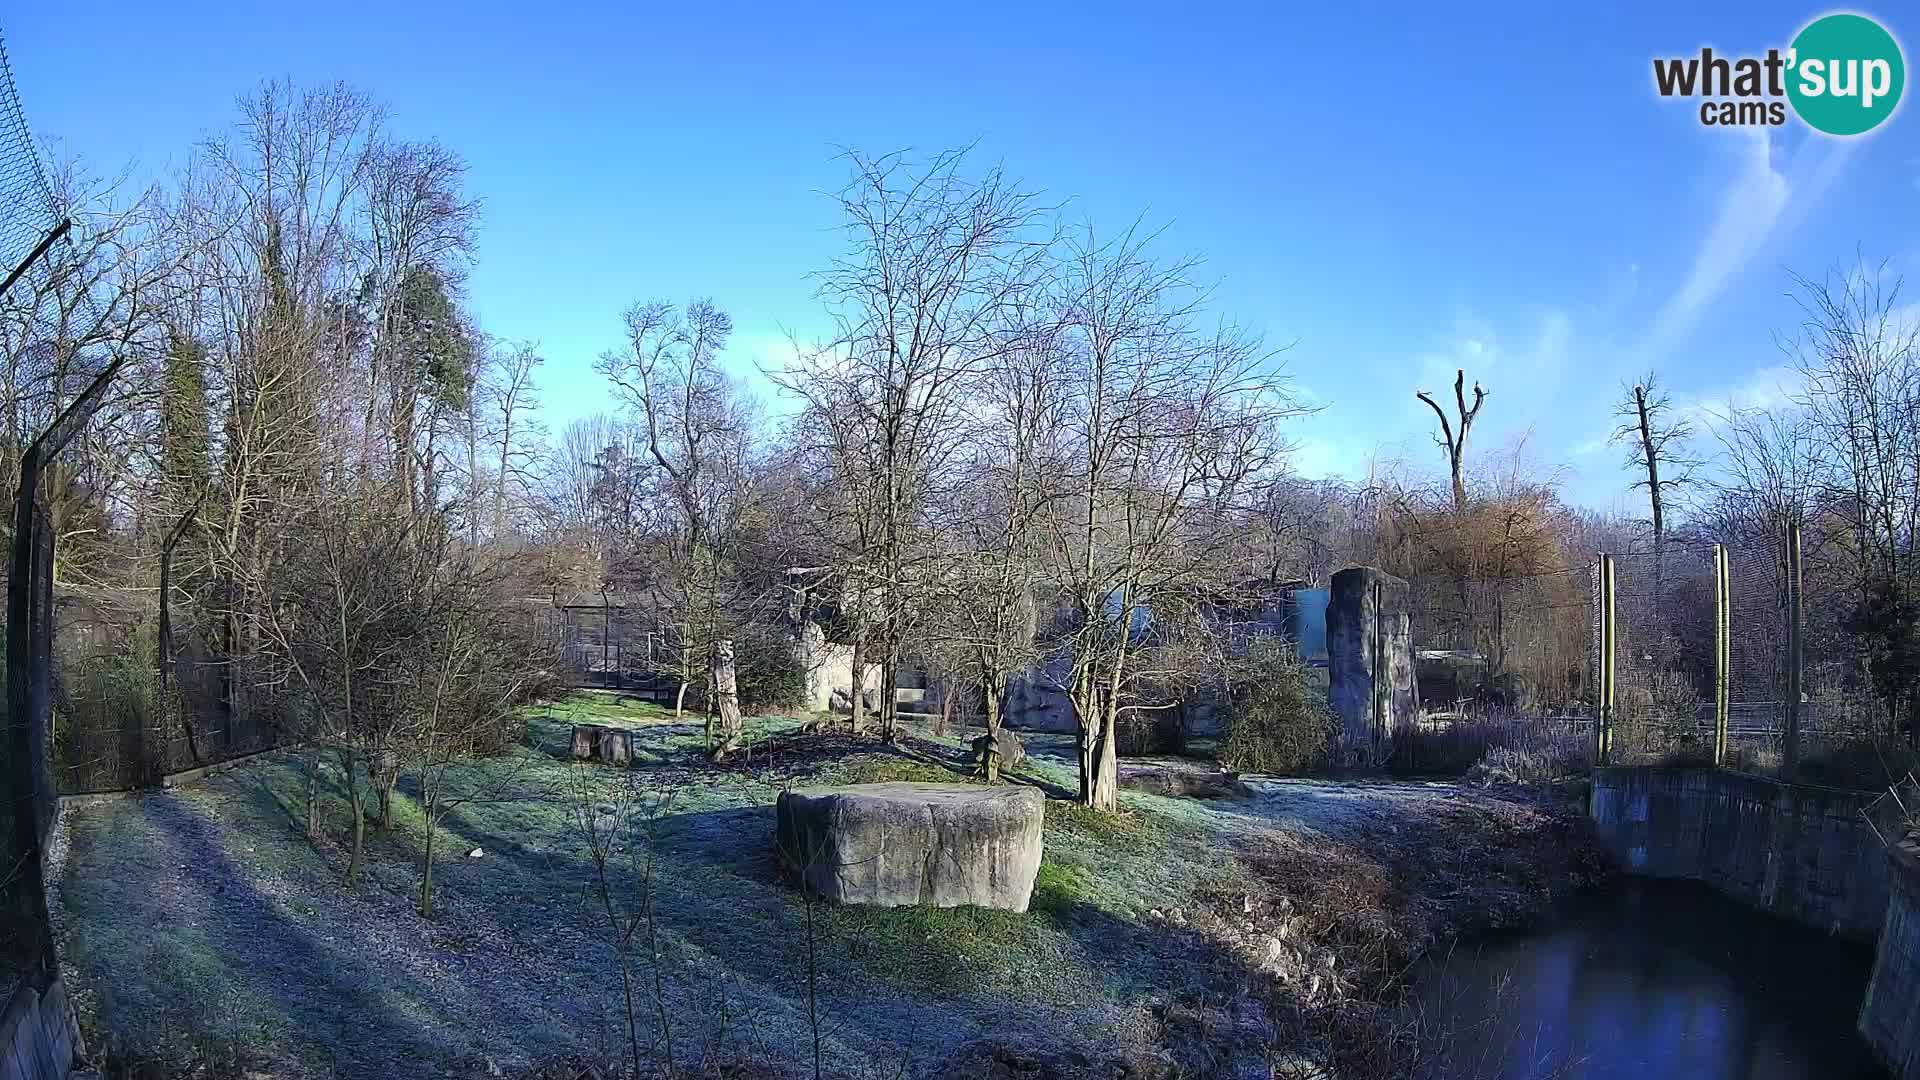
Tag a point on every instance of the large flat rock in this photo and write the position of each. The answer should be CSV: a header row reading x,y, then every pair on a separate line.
x,y
893,845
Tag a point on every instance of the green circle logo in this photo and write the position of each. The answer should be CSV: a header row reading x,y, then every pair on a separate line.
x,y
1846,74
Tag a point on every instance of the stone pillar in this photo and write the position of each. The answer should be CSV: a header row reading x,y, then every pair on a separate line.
x,y
1370,680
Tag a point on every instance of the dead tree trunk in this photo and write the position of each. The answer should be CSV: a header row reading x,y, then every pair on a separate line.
x,y
724,732
1456,445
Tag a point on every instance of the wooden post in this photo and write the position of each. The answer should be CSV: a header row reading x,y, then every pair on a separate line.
x,y
1603,731
1722,651
1795,690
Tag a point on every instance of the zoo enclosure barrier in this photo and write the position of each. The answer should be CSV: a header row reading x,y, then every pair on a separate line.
x,y
65,387
611,642
1719,653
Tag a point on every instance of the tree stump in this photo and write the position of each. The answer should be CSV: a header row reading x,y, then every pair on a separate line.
x,y
586,741
616,746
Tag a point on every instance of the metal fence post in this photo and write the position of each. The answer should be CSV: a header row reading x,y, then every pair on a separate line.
x,y
1794,658
1603,729
1722,651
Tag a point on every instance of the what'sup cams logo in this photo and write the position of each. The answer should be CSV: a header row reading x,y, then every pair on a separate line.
x,y
1842,75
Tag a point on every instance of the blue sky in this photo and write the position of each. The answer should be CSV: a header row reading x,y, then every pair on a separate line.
x,y
1397,192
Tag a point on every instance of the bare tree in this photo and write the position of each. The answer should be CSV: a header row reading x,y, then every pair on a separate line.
x,y
1858,356
696,427
936,260
513,429
1167,428
1657,440
1455,445
468,684
350,616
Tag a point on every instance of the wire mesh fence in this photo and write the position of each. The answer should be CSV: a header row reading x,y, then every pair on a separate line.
x,y
53,386
1664,655
1743,654
114,730
1724,654
611,643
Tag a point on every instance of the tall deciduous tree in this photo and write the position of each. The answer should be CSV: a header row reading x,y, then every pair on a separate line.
x,y
1168,427
696,426
936,260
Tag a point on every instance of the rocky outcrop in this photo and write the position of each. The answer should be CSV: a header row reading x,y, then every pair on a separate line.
x,y
1008,752
1180,779
895,845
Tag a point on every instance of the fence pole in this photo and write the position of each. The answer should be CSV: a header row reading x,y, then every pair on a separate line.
x,y
1722,651
1794,657
1603,730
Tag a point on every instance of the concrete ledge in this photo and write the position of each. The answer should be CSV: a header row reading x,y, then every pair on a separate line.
x,y
1801,852
174,780
39,1039
1890,1015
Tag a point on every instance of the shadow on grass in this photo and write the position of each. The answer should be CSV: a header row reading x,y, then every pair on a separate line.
x,y
232,948
933,977
724,905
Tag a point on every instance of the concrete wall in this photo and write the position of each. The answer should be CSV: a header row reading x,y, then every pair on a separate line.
x,y
1890,1016
828,665
1804,853
38,1037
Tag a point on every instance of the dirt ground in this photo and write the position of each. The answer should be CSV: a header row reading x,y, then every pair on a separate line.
x,y
1179,937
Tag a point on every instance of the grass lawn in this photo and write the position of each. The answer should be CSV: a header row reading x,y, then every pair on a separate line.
x,y
200,924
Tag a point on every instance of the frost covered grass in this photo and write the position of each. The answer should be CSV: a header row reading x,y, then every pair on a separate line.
x,y
200,921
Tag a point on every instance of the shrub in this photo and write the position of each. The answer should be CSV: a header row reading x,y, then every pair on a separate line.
x,y
1274,722
107,719
1517,765
768,673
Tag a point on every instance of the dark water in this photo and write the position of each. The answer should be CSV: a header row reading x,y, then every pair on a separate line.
x,y
1653,979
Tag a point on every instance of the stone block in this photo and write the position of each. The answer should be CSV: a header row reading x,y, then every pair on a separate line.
x,y
900,844
1371,684
1007,747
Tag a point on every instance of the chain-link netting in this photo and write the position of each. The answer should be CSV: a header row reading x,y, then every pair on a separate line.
x,y
28,210
1666,625
53,383
1759,603
1516,643
1664,654
1841,714
30,213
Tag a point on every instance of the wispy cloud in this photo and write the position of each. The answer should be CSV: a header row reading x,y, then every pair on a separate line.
x,y
1748,210
1772,387
1522,370
1768,194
